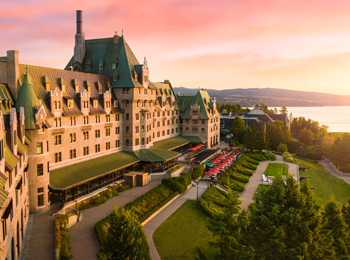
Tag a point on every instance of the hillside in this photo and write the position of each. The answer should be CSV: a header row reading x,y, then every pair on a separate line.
x,y
272,97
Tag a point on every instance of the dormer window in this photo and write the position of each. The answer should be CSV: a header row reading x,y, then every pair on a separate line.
x,y
86,104
57,104
100,66
115,103
88,65
195,113
70,103
114,66
115,77
95,103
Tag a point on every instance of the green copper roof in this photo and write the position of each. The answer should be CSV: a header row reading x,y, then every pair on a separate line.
x,y
7,98
77,173
177,141
29,101
20,146
155,155
3,196
204,101
10,158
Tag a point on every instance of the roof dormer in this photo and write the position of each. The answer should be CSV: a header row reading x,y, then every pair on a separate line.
x,y
87,86
99,87
84,101
62,84
47,83
76,85
107,101
56,101
145,74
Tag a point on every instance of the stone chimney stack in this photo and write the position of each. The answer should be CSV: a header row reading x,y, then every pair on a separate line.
x,y
79,48
13,72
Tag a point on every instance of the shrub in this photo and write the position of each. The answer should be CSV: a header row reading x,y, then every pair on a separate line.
x,y
249,165
62,238
174,185
122,188
175,168
252,161
293,146
300,151
188,178
282,148
197,171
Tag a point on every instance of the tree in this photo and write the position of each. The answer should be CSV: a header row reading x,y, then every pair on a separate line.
x,y
237,129
277,133
306,136
346,213
284,110
282,148
338,230
229,231
300,151
260,139
286,223
125,238
249,138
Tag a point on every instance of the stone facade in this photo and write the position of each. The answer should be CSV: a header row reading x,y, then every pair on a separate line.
x,y
97,106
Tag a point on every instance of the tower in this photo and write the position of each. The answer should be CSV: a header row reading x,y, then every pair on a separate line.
x,y
79,48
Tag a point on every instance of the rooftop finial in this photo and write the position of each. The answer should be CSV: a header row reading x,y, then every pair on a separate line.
x,y
122,31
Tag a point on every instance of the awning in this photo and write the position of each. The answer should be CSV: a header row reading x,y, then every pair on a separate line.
x,y
177,141
69,176
208,163
155,155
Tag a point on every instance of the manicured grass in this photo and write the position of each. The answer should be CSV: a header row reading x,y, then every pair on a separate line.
x,y
327,186
183,232
309,163
276,169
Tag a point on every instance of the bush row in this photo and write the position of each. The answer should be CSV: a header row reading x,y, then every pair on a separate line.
x,y
62,238
174,185
185,178
213,202
197,171
175,168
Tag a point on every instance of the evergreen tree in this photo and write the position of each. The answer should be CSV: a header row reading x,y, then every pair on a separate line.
x,y
260,142
285,223
346,213
238,128
338,230
125,239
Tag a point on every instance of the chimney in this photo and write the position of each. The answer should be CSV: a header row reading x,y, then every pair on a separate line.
x,y
79,48
13,72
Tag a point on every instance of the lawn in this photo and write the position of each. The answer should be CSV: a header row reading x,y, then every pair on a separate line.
x,y
327,186
277,169
183,233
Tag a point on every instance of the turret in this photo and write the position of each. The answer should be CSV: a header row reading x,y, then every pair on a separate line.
x,y
79,48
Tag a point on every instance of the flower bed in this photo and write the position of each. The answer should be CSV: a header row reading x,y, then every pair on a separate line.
x,y
62,238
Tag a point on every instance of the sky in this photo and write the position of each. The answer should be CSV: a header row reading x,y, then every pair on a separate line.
x,y
221,44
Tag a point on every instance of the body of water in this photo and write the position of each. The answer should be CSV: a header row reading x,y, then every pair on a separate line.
x,y
336,118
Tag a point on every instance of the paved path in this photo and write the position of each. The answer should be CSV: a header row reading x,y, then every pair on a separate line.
x,y
82,237
250,189
38,242
328,166
151,226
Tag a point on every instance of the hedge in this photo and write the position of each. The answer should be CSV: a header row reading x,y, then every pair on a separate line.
x,y
185,178
174,185
175,168
197,171
62,238
242,170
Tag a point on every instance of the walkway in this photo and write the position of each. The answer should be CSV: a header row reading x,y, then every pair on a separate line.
x,y
151,226
250,189
328,166
38,242
82,237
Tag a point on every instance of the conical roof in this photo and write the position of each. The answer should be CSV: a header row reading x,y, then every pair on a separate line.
x,y
29,101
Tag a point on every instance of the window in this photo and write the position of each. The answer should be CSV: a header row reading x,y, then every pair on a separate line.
x,y
142,129
85,104
97,119
158,134
117,130
158,124
187,130
72,137
4,228
195,121
142,116
127,103
40,169
117,143
39,148
57,122
86,135
97,148
86,120
163,132
73,153
1,149
203,131
187,121
167,132
97,133
115,102
108,132
73,120
127,116
137,116
194,130
168,122
163,123
40,200
142,141
137,129
137,141
127,142
95,103
58,139
108,104
195,112
58,157
108,145
108,118
100,66
114,66
117,117
86,150
70,103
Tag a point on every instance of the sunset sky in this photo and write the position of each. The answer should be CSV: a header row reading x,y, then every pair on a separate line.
x,y
222,44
